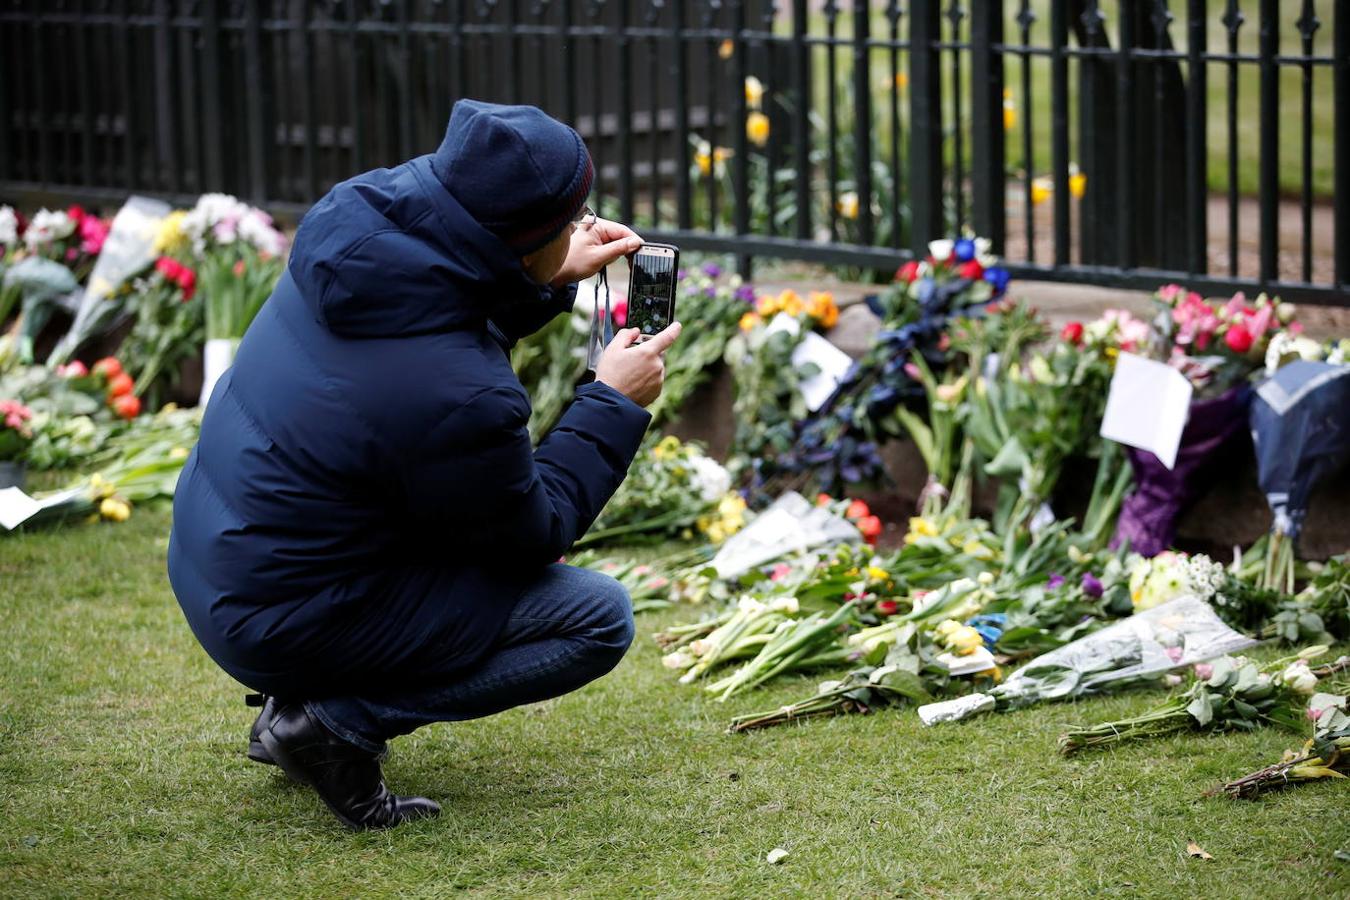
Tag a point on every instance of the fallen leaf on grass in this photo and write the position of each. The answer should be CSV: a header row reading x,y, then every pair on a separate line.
x,y
776,855
1195,851
1342,855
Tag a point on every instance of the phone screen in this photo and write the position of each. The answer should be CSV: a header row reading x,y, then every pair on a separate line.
x,y
651,292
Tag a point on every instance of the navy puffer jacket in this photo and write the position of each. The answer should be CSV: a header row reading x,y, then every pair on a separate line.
x,y
365,495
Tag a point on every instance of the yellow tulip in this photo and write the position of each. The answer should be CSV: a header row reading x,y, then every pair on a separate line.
x,y
1009,112
876,573
1041,190
757,128
170,236
749,321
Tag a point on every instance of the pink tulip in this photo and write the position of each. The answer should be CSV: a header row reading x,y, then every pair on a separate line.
x,y
1204,671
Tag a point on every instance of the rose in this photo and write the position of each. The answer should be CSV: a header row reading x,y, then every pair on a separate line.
x,y
1299,678
971,270
941,250
908,272
1238,339
1072,332
1204,671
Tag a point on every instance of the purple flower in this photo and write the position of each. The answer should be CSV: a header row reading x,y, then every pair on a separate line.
x,y
1056,581
1091,586
710,290
680,275
712,270
746,293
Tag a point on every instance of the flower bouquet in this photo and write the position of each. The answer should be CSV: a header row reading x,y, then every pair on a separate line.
x,y
1300,422
241,259
1138,649
838,444
671,489
1325,755
1219,347
38,287
16,435
1227,694
168,329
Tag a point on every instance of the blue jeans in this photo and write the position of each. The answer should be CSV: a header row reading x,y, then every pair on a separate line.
x,y
569,627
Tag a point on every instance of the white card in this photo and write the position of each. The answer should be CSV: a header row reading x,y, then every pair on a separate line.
x,y
16,507
784,322
979,661
1147,407
832,362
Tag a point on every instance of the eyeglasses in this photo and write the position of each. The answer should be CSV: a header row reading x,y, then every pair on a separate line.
x,y
585,218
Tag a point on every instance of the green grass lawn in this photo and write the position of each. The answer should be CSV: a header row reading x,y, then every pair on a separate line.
x,y
122,773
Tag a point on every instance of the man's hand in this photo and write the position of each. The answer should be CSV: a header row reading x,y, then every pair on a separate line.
x,y
636,370
594,248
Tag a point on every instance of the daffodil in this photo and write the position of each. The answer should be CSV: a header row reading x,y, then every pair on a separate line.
x,y
920,527
1009,111
754,92
757,128
114,509
791,303
749,321
1041,190
876,573
1077,181
726,49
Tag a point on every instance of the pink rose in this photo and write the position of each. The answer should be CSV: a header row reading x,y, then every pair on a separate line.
x,y
1174,654
1315,714
1204,671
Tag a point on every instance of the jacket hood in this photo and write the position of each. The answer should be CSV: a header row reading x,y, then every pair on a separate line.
x,y
392,253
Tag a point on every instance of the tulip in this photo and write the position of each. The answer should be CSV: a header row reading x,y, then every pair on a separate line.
x,y
757,128
870,527
1204,671
108,366
908,272
1092,586
754,92
1073,333
887,607
971,270
120,385
857,510
847,206
127,406
114,509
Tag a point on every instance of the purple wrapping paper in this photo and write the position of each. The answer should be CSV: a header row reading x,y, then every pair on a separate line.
x,y
1148,517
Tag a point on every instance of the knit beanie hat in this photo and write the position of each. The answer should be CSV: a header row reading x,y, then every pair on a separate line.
x,y
521,174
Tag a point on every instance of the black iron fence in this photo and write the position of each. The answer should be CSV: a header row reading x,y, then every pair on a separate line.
x,y
1115,143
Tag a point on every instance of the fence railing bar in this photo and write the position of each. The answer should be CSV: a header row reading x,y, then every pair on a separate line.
x,y
1341,147
894,46
862,119
84,98
1197,146
925,124
801,124
624,51
1125,250
1025,17
683,195
988,187
1269,179
1059,107
832,117
739,114
308,102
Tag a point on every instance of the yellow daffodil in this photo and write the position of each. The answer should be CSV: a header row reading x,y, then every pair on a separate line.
x,y
964,640
100,487
703,158
976,549
757,128
920,527
749,321
876,573
847,205
178,453
1077,182
754,92
114,509
726,49
901,80
1009,110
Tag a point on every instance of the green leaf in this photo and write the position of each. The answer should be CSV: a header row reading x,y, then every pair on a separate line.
x,y
1201,710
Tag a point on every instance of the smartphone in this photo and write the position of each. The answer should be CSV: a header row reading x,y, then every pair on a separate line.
x,y
651,289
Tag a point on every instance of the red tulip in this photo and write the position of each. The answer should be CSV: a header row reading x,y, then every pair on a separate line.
x,y
824,499
870,526
187,280
1073,333
857,510
1238,339
76,212
972,270
887,607
168,267
120,385
128,406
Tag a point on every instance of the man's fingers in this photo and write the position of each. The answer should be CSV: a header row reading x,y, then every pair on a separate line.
x,y
615,231
626,337
660,343
616,250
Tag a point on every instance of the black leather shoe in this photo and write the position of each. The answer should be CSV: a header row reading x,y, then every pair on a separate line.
x,y
346,778
256,751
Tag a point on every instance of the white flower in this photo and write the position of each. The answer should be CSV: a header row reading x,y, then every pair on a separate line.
x,y
776,856
256,228
787,605
708,477
1299,678
750,605
982,247
48,226
9,226
985,578
941,250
